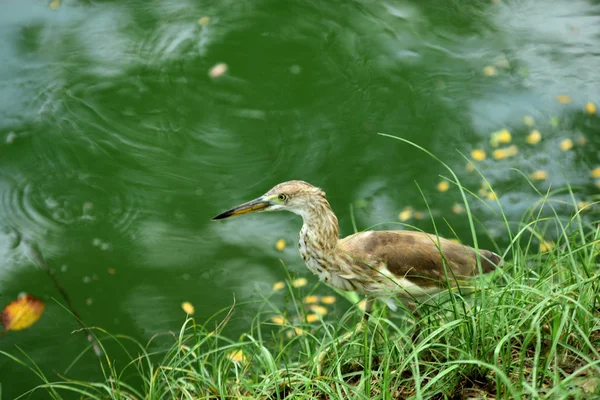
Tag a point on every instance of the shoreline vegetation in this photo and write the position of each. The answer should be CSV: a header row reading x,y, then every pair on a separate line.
x,y
529,330
532,332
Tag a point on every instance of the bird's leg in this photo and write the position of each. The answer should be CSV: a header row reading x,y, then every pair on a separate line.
x,y
361,326
368,308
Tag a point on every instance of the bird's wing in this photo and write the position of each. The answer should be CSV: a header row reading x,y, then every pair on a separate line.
x,y
424,259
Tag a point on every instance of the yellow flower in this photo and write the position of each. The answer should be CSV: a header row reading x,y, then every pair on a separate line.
x,y
278,285
563,98
328,299
528,120
596,172
590,108
278,320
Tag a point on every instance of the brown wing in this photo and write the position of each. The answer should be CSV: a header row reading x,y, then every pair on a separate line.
x,y
418,256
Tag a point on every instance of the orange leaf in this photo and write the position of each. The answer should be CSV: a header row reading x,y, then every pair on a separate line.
x,y
22,313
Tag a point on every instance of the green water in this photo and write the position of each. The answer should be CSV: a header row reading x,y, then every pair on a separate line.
x,y
117,147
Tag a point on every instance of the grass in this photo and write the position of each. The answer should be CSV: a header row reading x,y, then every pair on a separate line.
x,y
531,330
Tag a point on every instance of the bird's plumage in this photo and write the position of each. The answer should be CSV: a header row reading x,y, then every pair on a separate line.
x,y
385,264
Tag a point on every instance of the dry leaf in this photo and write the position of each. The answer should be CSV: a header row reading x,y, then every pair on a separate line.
x,y
22,313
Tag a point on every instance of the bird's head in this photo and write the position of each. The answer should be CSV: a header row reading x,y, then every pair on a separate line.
x,y
298,197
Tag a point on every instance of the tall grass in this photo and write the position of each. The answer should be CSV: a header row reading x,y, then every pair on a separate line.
x,y
530,330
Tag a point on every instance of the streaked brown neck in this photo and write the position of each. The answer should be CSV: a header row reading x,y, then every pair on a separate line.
x,y
320,231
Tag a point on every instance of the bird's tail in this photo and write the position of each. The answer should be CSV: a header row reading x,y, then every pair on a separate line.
x,y
490,261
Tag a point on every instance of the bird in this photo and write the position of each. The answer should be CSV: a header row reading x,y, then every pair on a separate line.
x,y
388,265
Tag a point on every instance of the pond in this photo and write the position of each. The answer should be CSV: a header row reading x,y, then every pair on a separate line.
x,y
126,126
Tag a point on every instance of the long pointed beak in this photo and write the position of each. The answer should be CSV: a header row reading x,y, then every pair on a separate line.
x,y
249,207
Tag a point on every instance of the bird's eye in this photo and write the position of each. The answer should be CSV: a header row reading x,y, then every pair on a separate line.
x,y
282,197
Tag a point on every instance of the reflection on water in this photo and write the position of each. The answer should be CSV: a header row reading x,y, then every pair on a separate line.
x,y
117,145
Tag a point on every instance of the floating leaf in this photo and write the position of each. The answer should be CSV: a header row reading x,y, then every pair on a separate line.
x,y
188,307
443,186
539,175
490,70
566,144
22,313
500,154
458,208
492,196
311,299
590,108
405,214
280,245
546,246
534,137
478,154
328,299
299,282
318,309
217,70
312,318
502,136
554,121
362,304
237,356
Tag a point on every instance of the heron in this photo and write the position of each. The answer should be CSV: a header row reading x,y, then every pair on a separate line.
x,y
389,265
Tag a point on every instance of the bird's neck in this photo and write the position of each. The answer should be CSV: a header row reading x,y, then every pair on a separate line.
x,y
320,230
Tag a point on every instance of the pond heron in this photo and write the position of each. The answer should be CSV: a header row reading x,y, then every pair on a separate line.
x,y
386,265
